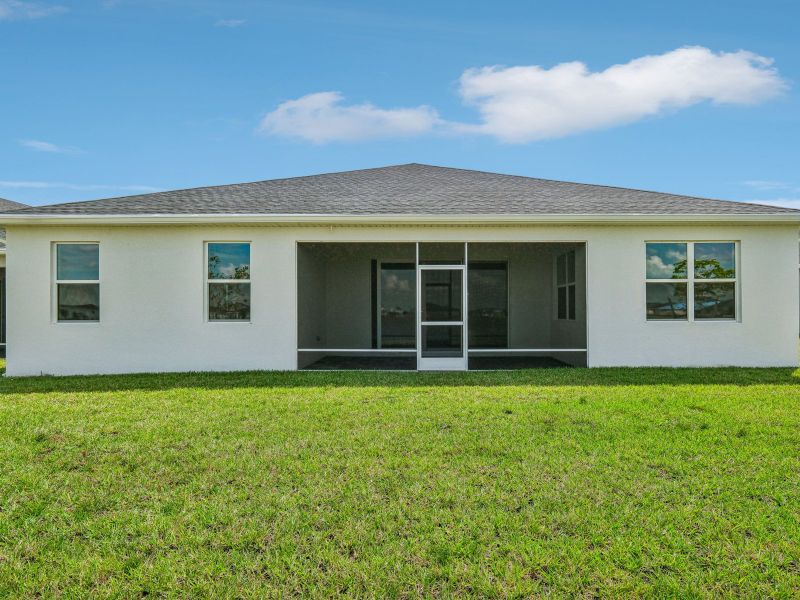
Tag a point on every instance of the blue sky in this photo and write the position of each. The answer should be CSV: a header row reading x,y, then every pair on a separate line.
x,y
102,98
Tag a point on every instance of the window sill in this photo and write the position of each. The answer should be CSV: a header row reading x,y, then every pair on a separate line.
x,y
695,322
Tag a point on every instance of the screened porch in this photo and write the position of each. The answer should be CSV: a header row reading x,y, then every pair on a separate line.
x,y
441,306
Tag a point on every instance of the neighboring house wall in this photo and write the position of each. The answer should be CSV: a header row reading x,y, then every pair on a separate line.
x,y
153,314
3,302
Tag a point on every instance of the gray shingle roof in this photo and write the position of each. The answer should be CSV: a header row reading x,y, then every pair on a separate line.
x,y
411,189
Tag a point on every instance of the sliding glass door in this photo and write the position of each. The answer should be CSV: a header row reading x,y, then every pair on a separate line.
x,y
397,305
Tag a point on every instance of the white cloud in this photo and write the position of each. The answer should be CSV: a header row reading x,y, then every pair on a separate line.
x,y
528,103
18,10
230,22
321,117
394,283
658,269
43,185
41,146
786,191
523,104
763,184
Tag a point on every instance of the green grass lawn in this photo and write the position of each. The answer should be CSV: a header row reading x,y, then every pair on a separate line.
x,y
563,482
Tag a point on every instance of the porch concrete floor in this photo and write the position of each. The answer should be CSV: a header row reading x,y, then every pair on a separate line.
x,y
409,363
364,363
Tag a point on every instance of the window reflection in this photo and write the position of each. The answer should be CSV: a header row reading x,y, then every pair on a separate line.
x,y
715,301
78,262
229,260
715,261
229,301
666,301
78,301
666,261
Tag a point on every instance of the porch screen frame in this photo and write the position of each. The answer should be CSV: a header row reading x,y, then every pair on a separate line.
x,y
465,332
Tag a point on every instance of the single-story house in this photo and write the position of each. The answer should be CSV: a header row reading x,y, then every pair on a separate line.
x,y
5,206
409,266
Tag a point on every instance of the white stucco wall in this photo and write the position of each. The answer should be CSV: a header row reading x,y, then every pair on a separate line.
x,y
152,297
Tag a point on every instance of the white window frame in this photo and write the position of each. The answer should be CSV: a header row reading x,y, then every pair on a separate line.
x,y
56,281
207,281
567,283
690,281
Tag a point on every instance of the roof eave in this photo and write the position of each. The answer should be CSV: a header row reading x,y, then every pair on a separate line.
x,y
394,219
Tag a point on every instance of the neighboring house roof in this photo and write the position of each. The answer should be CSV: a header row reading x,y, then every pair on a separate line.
x,y
403,190
7,205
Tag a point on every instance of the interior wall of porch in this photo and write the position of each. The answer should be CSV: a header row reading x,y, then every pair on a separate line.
x,y
311,277
530,290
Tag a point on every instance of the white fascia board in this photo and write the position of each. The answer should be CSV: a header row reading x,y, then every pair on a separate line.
x,y
397,219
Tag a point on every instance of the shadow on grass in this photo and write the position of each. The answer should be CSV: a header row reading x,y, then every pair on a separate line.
x,y
342,379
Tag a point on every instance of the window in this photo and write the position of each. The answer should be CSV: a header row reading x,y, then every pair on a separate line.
x,y
667,282
77,281
228,281
691,281
565,286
